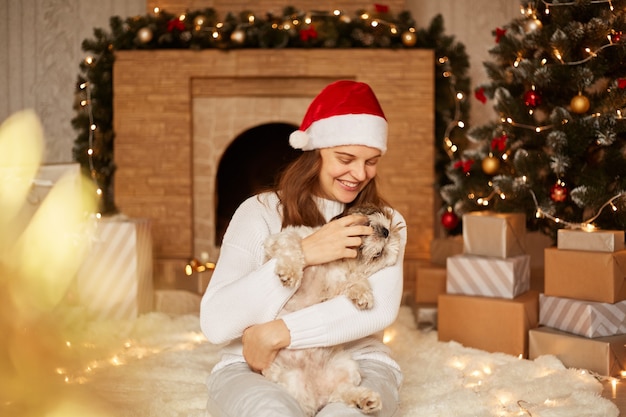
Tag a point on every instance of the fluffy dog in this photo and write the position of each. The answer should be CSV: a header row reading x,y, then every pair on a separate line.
x,y
318,376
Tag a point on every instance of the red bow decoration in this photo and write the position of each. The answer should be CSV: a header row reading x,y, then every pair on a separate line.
x,y
499,143
499,34
306,34
621,82
465,165
480,95
175,24
381,8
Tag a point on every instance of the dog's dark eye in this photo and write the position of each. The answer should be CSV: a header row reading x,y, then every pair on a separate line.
x,y
384,232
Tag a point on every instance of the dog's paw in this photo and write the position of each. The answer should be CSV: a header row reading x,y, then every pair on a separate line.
x,y
290,273
361,295
368,401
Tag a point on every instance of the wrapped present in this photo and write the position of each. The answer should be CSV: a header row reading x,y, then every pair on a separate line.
x,y
487,233
585,318
115,280
442,248
488,276
602,355
488,323
584,275
430,282
594,241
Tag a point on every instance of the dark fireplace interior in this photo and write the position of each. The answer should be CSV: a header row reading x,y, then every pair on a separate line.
x,y
250,164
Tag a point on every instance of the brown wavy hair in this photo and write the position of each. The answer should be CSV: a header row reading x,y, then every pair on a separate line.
x,y
299,183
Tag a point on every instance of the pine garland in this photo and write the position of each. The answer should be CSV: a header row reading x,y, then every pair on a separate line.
x,y
203,29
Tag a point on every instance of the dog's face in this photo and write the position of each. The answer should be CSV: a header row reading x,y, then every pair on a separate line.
x,y
382,246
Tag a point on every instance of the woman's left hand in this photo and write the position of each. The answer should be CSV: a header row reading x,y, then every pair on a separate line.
x,y
261,343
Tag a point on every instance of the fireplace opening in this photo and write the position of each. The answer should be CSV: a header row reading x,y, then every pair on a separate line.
x,y
250,164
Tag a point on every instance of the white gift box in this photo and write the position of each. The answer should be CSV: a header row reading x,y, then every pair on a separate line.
x,y
488,233
116,278
488,276
595,241
585,318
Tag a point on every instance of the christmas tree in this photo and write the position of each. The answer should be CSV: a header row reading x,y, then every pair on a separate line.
x,y
557,148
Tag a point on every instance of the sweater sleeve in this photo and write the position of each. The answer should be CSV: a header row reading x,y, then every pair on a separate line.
x,y
338,321
244,289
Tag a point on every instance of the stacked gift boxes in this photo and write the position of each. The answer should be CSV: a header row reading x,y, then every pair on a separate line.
x,y
488,303
583,308
115,280
430,279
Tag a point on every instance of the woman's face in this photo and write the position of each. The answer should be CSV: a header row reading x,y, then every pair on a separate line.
x,y
346,170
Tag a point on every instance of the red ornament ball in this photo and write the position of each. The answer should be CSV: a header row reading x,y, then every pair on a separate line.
x,y
558,192
532,99
449,220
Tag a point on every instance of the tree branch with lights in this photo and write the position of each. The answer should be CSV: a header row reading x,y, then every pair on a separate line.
x,y
557,149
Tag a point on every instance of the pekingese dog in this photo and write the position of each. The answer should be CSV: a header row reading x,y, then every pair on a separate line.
x,y
318,376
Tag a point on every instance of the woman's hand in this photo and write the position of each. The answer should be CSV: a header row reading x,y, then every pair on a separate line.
x,y
337,239
261,343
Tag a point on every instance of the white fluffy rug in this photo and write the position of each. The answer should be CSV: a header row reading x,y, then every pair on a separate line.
x,y
157,364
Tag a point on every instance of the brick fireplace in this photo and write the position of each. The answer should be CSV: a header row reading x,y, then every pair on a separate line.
x,y
177,111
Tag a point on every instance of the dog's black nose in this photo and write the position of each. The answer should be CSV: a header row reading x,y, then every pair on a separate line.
x,y
384,232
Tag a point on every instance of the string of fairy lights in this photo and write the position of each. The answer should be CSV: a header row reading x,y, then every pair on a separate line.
x,y
579,104
86,105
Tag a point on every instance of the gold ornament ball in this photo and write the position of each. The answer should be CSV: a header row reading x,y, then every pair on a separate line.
x,y
409,38
238,36
144,35
579,104
491,165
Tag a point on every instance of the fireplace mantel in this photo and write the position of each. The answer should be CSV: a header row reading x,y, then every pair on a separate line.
x,y
167,151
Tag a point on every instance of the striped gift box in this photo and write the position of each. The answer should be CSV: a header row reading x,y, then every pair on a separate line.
x,y
115,280
488,276
585,318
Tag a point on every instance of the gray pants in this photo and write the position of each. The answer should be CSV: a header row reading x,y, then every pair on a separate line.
x,y
236,391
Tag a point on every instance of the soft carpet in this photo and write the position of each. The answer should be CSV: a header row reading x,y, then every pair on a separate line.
x,y
156,366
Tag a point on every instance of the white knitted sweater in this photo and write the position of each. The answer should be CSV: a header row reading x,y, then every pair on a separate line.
x,y
244,290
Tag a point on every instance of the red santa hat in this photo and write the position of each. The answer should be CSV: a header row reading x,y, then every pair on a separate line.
x,y
344,113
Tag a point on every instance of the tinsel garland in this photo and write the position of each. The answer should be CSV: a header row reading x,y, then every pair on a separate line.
x,y
204,29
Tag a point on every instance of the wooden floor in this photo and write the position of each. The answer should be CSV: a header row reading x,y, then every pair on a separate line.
x,y
617,395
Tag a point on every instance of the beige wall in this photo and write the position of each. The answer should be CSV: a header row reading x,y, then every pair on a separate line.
x,y
40,50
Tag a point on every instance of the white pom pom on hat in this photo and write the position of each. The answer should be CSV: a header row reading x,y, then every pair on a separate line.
x,y
344,113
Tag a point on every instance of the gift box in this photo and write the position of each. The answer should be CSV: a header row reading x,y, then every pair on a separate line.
x,y
536,243
442,248
487,233
584,275
603,355
594,241
487,323
585,318
488,276
430,282
115,280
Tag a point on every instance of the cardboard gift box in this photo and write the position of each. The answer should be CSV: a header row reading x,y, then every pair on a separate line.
x,y
585,318
603,355
487,233
488,276
430,282
584,275
116,278
442,248
487,323
594,241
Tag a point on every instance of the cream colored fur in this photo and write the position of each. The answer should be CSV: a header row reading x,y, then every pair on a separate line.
x,y
318,376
